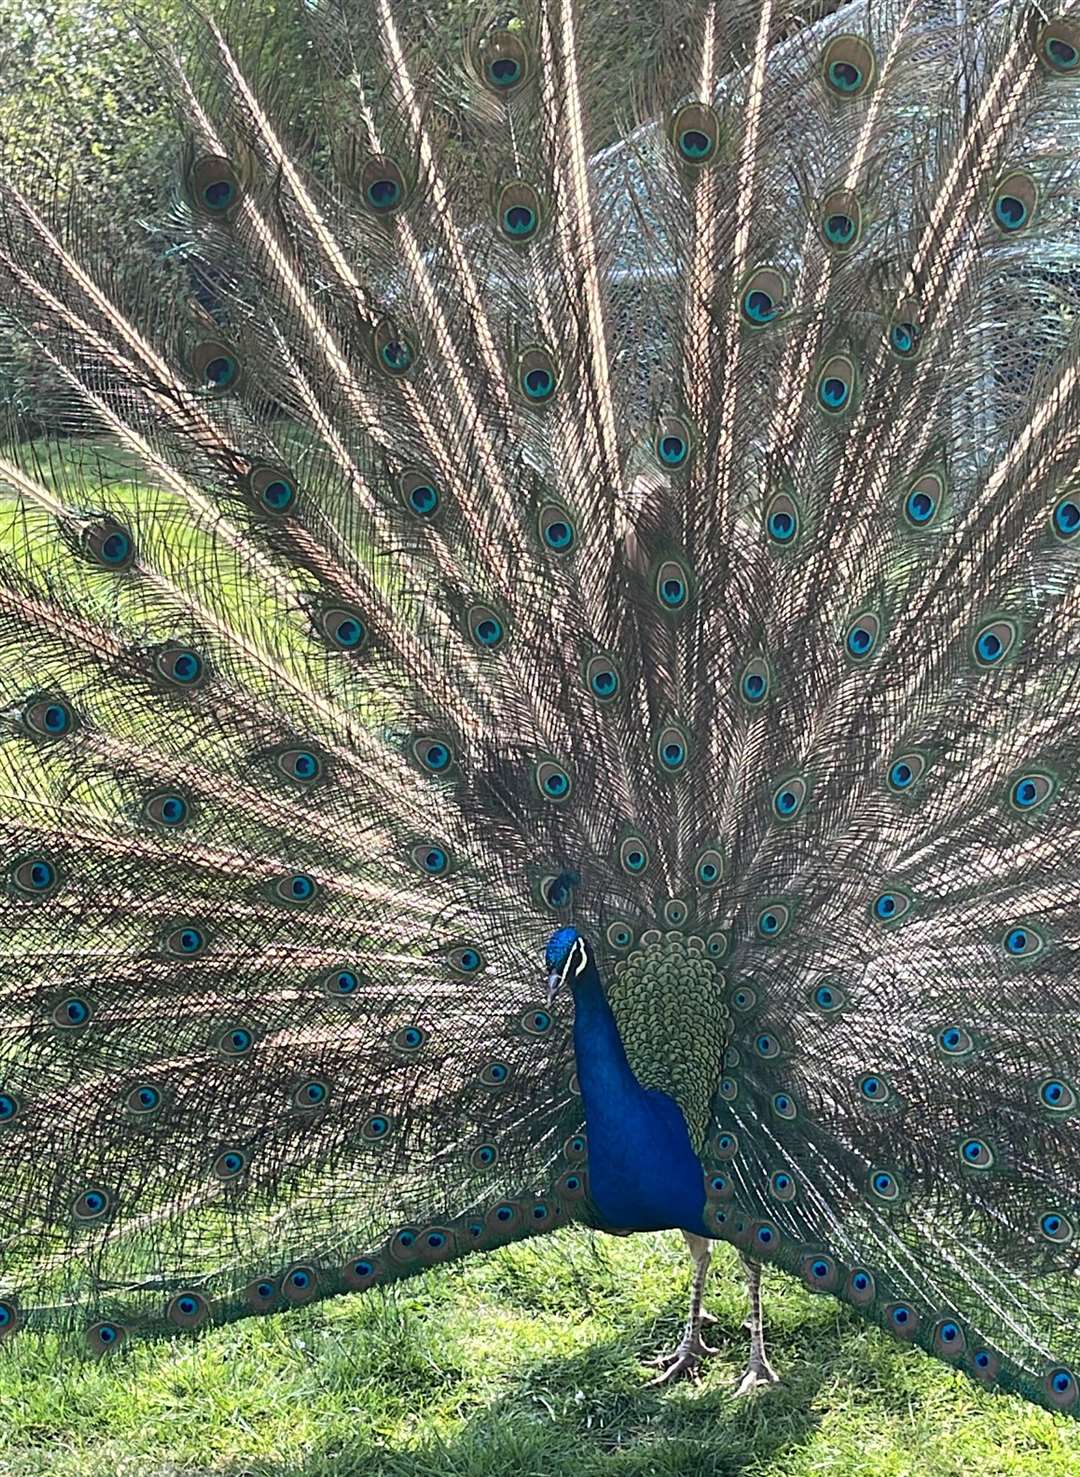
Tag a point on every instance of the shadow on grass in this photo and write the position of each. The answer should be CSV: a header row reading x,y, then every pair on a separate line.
x,y
590,1415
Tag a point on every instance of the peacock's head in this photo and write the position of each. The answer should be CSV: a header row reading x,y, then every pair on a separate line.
x,y
567,955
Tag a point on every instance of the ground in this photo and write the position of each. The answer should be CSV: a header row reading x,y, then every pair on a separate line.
x,y
525,1363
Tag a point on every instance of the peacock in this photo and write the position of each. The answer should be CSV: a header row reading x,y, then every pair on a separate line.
x,y
541,671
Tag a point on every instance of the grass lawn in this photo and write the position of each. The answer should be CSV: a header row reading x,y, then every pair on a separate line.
x,y
524,1363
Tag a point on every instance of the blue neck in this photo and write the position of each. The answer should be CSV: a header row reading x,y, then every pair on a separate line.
x,y
643,1172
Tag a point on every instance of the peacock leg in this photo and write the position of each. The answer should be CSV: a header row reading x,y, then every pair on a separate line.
x,y
686,1358
758,1371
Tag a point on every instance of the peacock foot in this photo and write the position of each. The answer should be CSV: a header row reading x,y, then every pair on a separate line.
x,y
683,1361
759,1375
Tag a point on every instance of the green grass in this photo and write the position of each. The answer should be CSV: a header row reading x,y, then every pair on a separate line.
x,y
525,1363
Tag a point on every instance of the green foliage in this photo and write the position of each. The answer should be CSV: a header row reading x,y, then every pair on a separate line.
x,y
526,1363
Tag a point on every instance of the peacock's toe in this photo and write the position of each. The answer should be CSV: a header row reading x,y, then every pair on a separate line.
x,y
759,1375
683,1362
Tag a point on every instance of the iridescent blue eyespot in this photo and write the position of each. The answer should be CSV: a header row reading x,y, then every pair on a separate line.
x,y
552,781
219,370
1067,518
1060,45
1061,1387
755,681
278,496
772,920
955,1041
1056,1227
904,339
672,585
602,678
759,307
1023,942
465,959
884,1185
1057,1095
919,507
420,495
72,1012
383,194
35,876
433,754
485,627
862,635
519,221
671,750
889,907
536,376
432,859
341,982
828,996
9,1107
214,184
495,1074
236,1041
994,641
848,64
976,1154
377,1127
782,520
143,1099
1014,202
789,797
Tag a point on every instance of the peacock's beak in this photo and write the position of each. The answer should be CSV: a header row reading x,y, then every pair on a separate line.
x,y
554,980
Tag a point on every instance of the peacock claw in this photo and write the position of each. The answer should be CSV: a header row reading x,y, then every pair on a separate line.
x,y
759,1375
683,1361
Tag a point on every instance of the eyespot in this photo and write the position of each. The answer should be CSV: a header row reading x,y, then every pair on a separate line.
x,y
536,1022
504,63
923,500
235,1041
1056,1227
862,636
695,134
1022,941
840,220
725,1146
902,1320
955,1041
1060,1386
382,186
619,934
102,1337
92,1205
179,666
719,1187
409,1038
303,767
341,627
10,1318
783,1105
466,959
312,1093
576,1148
672,585
709,868
1030,792
1066,518
557,531
216,367
827,996
782,1186
717,944
788,798
890,906
1058,45
272,490
377,1128
537,377
341,982
1013,205
433,860
214,185
874,1088
434,755
420,494
602,678
993,642
35,877
675,912
904,334
848,66
72,1012
552,781
905,771
143,1100
672,749
819,1273
10,1108
728,1089
860,1287
107,544
185,941
765,1043
1057,1095
633,855
395,352
518,215
49,718
571,1186
836,383
495,1074
764,298
672,443
755,682
485,627
558,892
883,1185
976,1154
168,809
300,1284
295,890
361,1272
188,1309
766,1239
782,520
262,1295
772,920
